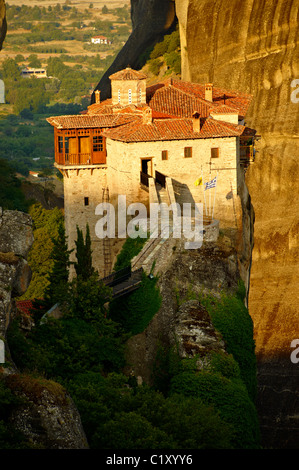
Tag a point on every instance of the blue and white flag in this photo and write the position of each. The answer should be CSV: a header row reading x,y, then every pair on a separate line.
x,y
211,184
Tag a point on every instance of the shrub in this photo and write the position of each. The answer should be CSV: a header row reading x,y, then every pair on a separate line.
x,y
134,311
230,398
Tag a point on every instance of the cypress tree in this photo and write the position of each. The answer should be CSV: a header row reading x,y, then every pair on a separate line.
x,y
57,291
83,266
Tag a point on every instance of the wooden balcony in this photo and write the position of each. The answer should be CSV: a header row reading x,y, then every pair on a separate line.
x,y
79,159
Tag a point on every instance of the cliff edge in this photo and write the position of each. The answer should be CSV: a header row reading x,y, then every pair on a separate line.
x,y
253,47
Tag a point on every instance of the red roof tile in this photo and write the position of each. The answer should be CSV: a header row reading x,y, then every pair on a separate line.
x,y
83,121
128,74
172,129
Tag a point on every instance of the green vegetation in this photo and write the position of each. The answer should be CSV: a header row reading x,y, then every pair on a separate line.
x,y
11,195
166,52
46,228
84,351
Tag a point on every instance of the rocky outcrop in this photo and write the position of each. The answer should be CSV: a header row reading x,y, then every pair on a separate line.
x,y
150,18
16,239
3,26
253,47
47,416
209,270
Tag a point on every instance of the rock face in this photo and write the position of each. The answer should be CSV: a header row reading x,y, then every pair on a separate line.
x,y
211,269
150,18
3,26
48,417
195,334
253,46
16,239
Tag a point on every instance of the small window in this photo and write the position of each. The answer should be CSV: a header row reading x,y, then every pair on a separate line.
x,y
119,96
164,154
60,144
66,145
188,152
97,143
215,152
86,201
130,95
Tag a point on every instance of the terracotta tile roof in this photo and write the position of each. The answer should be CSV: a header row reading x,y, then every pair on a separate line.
x,y
223,109
175,102
172,129
233,99
128,74
83,121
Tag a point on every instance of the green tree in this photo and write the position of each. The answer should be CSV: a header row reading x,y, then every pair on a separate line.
x,y
33,61
83,266
57,290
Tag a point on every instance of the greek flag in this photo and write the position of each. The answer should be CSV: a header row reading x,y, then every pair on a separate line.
x,y
211,184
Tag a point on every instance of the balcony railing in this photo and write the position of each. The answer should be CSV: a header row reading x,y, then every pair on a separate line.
x,y
80,159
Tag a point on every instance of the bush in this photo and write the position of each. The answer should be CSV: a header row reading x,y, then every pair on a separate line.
x,y
231,318
134,311
230,398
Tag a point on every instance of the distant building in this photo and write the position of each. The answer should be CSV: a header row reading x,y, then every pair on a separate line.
x,y
32,72
100,40
33,173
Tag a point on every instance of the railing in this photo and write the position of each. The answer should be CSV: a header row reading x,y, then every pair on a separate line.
x,y
117,277
79,159
144,177
160,178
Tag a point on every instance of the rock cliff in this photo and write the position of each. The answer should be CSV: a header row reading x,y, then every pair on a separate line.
x,y
253,46
3,25
47,417
150,18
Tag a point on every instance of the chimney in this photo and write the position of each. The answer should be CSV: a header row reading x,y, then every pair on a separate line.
x,y
209,92
147,116
196,121
97,94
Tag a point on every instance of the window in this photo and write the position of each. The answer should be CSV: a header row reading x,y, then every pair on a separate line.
x,y
86,201
130,95
164,154
60,144
188,152
119,96
215,152
66,145
98,143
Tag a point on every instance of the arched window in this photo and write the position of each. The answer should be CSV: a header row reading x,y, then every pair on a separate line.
x,y
130,96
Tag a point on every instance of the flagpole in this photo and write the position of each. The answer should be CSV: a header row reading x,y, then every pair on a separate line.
x,y
203,188
215,194
210,195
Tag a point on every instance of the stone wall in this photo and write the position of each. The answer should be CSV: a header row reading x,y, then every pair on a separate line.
x,y
124,164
